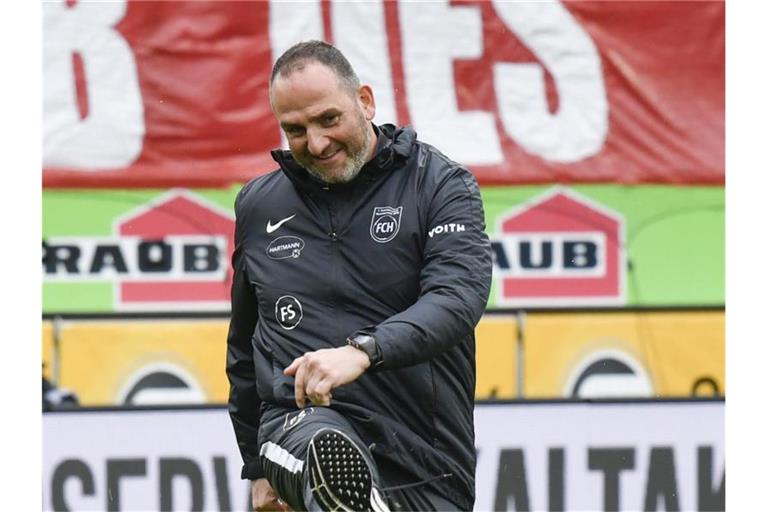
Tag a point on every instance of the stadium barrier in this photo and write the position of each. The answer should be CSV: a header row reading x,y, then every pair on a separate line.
x,y
143,359
532,455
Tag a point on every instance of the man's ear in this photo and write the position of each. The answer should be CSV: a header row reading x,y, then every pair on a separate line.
x,y
367,101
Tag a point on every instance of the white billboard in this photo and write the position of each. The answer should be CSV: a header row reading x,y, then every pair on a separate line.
x,y
142,460
531,456
601,456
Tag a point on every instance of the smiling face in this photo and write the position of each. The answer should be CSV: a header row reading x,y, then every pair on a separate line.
x,y
328,126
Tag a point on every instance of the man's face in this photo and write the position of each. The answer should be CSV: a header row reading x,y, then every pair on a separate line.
x,y
327,126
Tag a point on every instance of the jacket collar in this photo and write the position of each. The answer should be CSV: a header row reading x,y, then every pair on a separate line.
x,y
392,145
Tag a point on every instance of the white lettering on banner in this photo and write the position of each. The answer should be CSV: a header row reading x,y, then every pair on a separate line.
x,y
579,127
111,135
433,35
353,23
359,31
289,23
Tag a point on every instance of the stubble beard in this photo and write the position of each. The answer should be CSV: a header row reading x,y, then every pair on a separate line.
x,y
355,161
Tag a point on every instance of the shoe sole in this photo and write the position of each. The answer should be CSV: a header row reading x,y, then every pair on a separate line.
x,y
339,475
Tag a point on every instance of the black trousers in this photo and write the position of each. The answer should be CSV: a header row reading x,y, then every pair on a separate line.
x,y
285,435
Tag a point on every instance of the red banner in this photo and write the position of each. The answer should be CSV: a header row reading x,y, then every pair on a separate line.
x,y
161,94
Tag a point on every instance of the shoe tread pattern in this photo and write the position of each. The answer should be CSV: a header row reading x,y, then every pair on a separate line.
x,y
338,474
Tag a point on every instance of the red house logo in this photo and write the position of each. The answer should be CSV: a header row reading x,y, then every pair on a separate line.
x,y
559,249
184,247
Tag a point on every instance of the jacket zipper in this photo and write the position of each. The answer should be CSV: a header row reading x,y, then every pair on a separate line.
x,y
334,265
334,236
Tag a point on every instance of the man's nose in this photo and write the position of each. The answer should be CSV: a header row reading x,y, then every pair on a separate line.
x,y
317,142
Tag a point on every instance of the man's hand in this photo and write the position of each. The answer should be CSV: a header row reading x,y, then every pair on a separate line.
x,y
264,497
319,372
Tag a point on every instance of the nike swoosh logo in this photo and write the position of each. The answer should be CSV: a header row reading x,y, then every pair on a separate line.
x,y
272,227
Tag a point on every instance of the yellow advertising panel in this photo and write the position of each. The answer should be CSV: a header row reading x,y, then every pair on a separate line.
x,y
638,354
605,354
496,357
48,372
146,362
536,355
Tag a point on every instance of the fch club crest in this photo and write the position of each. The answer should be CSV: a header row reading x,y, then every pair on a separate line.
x,y
385,223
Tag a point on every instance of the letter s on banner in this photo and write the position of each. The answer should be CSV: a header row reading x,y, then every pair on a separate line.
x,y
111,133
580,126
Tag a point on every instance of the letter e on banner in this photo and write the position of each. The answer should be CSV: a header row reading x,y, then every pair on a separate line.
x,y
434,34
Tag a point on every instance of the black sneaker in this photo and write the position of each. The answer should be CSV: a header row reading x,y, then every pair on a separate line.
x,y
339,475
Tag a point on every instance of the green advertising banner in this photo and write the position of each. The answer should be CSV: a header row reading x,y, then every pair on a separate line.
x,y
553,246
650,245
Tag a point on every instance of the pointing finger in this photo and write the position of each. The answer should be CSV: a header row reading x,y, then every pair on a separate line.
x,y
298,385
291,369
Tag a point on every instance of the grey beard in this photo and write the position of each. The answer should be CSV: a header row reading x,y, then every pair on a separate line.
x,y
353,167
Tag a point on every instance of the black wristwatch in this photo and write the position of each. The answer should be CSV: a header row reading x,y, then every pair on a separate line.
x,y
367,344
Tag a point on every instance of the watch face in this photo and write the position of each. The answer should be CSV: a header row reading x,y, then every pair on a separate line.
x,y
368,345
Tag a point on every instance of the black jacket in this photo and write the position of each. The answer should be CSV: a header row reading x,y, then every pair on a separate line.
x,y
400,253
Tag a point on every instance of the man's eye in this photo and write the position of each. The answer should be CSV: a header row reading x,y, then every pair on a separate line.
x,y
330,120
294,130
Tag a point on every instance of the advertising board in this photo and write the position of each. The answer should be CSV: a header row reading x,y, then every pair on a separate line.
x,y
547,355
609,456
598,354
139,94
553,246
531,456
140,362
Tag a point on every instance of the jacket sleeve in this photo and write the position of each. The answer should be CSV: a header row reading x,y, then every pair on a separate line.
x,y
455,277
244,402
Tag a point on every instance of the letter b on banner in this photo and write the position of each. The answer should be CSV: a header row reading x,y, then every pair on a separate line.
x,y
94,114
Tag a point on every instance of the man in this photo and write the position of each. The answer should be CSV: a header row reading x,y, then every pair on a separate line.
x,y
361,268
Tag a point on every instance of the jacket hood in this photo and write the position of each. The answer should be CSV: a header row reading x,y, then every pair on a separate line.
x,y
393,144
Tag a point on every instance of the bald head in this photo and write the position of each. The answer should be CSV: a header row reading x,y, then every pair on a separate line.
x,y
300,55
